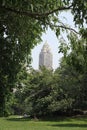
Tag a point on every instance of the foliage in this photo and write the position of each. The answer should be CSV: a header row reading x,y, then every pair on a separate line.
x,y
46,92
21,26
76,57
36,93
16,39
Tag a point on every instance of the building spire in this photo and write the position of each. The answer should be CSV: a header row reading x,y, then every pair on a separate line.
x,y
46,47
45,57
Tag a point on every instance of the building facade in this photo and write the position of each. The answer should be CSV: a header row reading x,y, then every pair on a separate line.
x,y
46,57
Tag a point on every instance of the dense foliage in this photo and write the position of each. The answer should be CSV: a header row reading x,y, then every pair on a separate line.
x,y
21,26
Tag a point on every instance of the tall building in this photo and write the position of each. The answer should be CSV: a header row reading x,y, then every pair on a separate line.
x,y
46,57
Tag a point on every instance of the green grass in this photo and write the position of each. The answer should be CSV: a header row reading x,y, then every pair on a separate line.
x,y
16,123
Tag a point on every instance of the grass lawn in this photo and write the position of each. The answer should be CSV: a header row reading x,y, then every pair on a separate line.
x,y
16,123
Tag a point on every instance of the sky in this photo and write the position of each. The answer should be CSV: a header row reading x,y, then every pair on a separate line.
x,y
53,42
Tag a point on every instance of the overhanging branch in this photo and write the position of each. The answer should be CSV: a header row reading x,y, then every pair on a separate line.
x,y
33,14
38,15
62,25
68,28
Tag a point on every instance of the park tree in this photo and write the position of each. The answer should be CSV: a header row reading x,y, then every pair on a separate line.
x,y
75,55
34,94
21,26
39,95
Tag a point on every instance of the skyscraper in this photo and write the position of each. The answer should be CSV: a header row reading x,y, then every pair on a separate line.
x,y
45,57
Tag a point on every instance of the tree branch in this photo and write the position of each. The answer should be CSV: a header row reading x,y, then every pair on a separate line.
x,y
58,9
41,15
63,26
33,14
68,28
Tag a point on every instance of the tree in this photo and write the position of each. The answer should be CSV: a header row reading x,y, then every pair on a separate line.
x,y
75,55
15,48
37,92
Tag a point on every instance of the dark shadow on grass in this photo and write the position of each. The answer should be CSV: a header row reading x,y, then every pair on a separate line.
x,y
56,119
70,125
64,118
